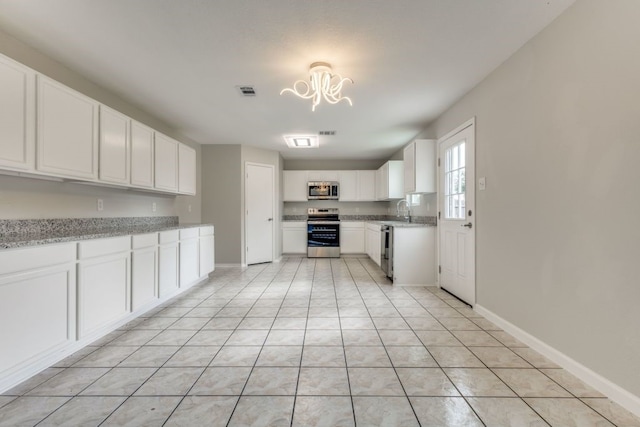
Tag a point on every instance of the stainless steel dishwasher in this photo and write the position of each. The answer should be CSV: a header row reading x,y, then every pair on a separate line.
x,y
386,250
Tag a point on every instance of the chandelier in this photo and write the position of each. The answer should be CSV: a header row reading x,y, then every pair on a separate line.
x,y
321,86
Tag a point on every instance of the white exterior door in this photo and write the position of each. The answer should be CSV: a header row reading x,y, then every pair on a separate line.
x,y
259,195
457,213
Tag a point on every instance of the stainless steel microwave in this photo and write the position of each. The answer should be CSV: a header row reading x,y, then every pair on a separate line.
x,y
322,190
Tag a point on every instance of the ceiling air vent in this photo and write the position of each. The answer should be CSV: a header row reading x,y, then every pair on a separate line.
x,y
247,90
327,133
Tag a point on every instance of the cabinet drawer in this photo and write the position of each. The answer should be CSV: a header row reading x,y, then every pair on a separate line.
x,y
144,240
189,233
206,231
101,247
169,236
14,260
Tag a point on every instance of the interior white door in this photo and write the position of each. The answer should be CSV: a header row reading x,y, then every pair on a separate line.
x,y
259,213
457,213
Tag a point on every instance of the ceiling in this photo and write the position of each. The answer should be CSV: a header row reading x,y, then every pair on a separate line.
x,y
181,60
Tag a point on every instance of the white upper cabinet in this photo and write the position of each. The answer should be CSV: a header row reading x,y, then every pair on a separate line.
x,y
389,181
114,146
420,166
323,175
186,170
166,163
142,158
348,190
17,117
67,131
294,186
366,185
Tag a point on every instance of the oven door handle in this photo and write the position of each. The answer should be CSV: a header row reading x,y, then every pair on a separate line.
x,y
324,222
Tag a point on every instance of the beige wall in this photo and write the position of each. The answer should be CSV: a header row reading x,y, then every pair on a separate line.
x,y
558,140
23,198
222,199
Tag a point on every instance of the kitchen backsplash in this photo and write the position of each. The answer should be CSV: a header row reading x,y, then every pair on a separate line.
x,y
431,220
10,227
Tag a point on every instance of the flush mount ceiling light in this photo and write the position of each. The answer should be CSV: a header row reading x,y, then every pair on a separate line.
x,y
321,86
302,141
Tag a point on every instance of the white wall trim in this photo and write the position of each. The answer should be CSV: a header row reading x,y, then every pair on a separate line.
x,y
232,265
470,122
613,391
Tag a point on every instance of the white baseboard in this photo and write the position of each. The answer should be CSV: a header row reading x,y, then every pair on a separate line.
x,y
230,265
622,397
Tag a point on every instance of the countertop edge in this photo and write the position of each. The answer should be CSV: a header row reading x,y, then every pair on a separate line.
x,y
32,241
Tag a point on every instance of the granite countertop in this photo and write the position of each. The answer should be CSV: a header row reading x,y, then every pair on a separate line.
x,y
27,233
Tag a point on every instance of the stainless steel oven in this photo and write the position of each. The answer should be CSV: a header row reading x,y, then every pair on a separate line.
x,y
323,233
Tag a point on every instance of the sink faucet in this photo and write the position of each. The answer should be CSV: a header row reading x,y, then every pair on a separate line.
x,y
407,210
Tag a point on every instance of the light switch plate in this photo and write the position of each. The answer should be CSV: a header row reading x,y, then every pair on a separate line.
x,y
482,183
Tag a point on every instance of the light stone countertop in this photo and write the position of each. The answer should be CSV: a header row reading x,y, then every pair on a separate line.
x,y
63,236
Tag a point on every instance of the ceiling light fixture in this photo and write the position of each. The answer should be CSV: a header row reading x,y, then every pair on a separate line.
x,y
321,77
302,141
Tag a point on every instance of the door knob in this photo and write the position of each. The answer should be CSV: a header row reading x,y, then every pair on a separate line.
x,y
270,219
469,225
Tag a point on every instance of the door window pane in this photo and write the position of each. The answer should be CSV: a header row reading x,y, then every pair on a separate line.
x,y
455,182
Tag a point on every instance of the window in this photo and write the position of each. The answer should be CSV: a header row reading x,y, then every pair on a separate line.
x,y
454,185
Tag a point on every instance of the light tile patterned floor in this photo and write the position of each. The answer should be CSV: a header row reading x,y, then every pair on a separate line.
x,y
308,342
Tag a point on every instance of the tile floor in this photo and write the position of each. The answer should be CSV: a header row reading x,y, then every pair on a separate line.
x,y
308,342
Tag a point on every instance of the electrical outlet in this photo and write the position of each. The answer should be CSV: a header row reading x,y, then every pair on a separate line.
x,y
153,207
189,209
100,205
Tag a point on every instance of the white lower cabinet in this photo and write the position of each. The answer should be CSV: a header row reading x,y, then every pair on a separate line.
x,y
294,237
414,256
373,240
189,257
144,270
352,237
207,251
55,298
168,262
37,304
103,282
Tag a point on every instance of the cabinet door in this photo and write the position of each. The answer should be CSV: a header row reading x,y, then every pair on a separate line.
x,y
425,166
323,175
142,155
294,240
395,179
207,255
167,269
367,186
294,185
144,270
409,158
37,313
382,182
166,163
67,136
186,170
17,120
114,146
189,259
103,289
352,240
348,186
